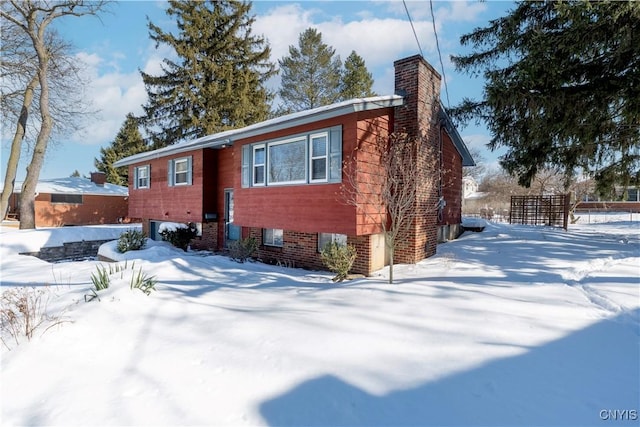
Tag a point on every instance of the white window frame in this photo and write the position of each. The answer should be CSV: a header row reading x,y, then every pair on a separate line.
x,y
283,142
332,159
176,162
137,171
325,156
273,241
256,165
324,238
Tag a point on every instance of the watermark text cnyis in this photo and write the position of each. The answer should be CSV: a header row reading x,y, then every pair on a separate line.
x,y
618,414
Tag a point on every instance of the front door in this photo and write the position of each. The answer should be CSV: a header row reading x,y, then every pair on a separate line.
x,y
231,231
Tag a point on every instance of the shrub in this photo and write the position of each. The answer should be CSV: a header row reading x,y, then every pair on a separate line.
x,y
240,250
22,311
179,235
338,259
131,240
143,282
100,278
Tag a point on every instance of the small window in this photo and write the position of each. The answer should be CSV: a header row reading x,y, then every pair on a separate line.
x,y
272,237
141,179
180,171
324,238
71,199
258,164
319,157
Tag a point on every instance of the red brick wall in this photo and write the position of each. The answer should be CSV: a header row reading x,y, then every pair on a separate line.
x,y
93,210
451,182
161,202
420,84
209,239
308,208
610,206
365,166
300,250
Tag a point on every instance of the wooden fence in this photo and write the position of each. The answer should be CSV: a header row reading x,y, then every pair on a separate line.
x,y
540,210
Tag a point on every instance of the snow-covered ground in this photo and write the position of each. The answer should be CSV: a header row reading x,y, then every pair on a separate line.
x,y
512,326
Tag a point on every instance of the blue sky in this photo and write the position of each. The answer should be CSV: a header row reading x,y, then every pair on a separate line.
x,y
116,46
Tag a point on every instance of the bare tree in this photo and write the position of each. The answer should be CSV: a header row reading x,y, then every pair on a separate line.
x,y
476,172
389,186
32,18
18,84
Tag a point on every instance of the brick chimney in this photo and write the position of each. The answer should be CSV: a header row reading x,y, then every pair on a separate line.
x,y
419,83
98,178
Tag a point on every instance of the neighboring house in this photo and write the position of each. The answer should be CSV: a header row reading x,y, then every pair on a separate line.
x,y
469,186
74,201
280,180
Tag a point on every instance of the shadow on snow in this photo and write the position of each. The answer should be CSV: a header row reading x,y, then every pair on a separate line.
x,y
564,382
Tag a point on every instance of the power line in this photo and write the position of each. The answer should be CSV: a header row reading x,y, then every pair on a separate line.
x,y
435,33
412,27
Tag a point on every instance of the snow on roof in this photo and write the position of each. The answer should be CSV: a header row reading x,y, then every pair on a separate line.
x,y
278,123
75,185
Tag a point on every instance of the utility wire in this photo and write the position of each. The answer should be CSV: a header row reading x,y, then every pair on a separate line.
x,y
412,27
433,19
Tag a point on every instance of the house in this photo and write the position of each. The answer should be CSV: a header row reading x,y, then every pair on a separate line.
x,y
74,201
469,187
279,180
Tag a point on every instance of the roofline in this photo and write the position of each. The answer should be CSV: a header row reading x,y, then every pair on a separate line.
x,y
279,123
78,193
458,142
17,188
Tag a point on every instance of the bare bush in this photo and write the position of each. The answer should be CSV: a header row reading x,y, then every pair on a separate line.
x,y
23,310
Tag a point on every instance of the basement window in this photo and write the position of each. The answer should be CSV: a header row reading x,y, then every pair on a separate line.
x,y
326,238
71,199
273,237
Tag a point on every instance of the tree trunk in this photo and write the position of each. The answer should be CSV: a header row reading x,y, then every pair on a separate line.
x,y
16,147
28,194
391,250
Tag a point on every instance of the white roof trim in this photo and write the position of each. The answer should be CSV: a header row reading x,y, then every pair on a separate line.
x,y
278,123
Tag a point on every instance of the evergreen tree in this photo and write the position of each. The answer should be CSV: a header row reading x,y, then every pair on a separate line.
x,y
217,82
310,74
562,88
75,174
357,81
128,142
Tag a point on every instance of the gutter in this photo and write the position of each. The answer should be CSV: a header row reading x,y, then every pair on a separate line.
x,y
227,138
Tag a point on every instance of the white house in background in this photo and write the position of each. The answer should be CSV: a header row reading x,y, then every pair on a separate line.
x,y
469,186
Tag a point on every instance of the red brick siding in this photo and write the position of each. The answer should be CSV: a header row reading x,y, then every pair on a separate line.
x,y
366,168
451,182
300,250
161,202
418,118
209,239
307,208
363,262
210,179
610,206
93,210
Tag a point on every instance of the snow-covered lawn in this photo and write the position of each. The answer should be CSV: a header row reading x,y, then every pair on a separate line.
x,y
512,326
